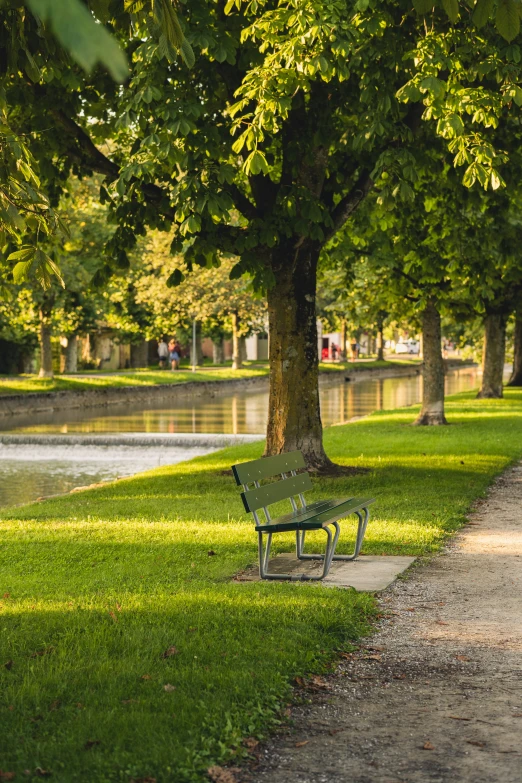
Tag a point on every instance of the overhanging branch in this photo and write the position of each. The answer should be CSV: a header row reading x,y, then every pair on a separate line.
x,y
347,205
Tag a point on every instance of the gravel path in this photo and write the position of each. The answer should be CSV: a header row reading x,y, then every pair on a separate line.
x,y
437,693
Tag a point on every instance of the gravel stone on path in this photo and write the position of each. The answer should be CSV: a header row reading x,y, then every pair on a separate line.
x,y
436,696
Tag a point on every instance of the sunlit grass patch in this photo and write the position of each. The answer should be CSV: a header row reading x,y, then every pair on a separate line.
x,y
99,585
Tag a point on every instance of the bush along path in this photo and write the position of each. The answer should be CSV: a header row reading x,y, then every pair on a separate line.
x,y
128,652
437,692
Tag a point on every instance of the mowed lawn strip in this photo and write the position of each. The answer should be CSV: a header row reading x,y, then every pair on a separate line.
x,y
126,651
25,384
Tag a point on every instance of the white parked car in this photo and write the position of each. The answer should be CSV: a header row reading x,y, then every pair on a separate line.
x,y
408,346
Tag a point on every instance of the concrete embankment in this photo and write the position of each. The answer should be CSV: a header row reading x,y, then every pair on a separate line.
x,y
38,402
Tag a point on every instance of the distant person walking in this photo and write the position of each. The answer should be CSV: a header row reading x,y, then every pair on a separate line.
x,y
353,347
174,354
163,353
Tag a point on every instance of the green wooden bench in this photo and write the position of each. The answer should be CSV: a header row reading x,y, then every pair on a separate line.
x,y
317,516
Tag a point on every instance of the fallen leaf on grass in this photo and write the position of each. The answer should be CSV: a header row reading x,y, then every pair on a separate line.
x,y
302,744
113,616
8,665
91,744
462,658
146,677
476,742
221,775
6,595
169,688
348,656
299,681
192,628
43,773
250,743
169,652
456,717
7,775
428,746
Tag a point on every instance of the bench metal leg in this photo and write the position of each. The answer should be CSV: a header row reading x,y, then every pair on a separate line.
x,y
331,543
363,517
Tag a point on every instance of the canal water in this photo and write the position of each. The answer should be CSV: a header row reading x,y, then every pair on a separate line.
x,y
31,471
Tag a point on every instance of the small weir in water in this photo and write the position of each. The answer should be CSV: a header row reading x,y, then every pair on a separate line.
x,y
32,470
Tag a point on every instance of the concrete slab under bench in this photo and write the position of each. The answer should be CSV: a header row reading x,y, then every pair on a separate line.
x,y
369,573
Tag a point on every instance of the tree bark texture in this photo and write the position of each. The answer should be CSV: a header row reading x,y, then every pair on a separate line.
x,y
294,418
139,354
516,375
199,346
237,361
218,351
46,353
380,342
343,340
493,357
71,355
432,411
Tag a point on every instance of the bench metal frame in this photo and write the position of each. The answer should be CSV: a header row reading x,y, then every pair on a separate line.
x,y
332,530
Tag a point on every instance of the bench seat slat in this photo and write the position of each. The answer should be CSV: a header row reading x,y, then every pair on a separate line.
x,y
315,516
266,467
279,490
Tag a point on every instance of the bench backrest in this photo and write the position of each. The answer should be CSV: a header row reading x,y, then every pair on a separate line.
x,y
290,486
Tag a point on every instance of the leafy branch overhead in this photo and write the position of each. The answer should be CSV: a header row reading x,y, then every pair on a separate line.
x,y
505,13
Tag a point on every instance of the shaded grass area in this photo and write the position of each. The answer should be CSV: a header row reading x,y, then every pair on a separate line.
x,y
98,585
25,384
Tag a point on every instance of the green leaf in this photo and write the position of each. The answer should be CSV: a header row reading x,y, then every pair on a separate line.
x,y
483,11
187,53
175,278
452,9
423,6
85,40
25,254
21,271
256,163
508,19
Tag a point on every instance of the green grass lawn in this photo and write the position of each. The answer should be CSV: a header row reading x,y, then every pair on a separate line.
x,y
98,585
151,377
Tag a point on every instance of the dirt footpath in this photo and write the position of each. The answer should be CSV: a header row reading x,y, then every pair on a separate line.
x,y
437,694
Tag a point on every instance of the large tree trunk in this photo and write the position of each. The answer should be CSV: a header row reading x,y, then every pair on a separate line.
x,y
199,347
294,418
139,355
516,375
237,361
343,341
218,351
71,355
380,341
493,357
432,411
46,353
